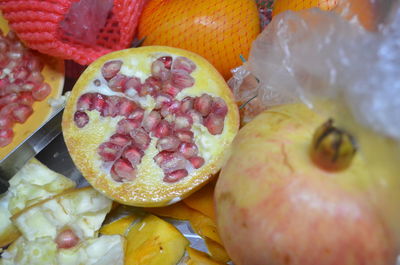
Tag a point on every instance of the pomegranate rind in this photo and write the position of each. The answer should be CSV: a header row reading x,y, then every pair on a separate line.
x,y
148,189
53,73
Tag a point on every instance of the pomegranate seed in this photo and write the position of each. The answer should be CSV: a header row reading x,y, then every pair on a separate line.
x,y
183,121
151,121
159,71
150,86
111,68
97,82
41,92
187,104
20,73
28,86
109,151
125,126
169,88
173,108
22,113
10,98
175,176
185,136
137,115
120,139
167,61
8,109
181,79
117,82
169,161
26,98
196,161
162,129
98,102
34,65
188,150
81,119
140,138
219,107
126,107
132,86
183,64
214,124
6,122
168,143
133,154
66,239
195,115
111,108
162,99
35,77
85,102
6,136
123,171
203,104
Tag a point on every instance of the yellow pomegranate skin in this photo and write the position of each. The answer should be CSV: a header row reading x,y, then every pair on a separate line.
x,y
275,207
218,30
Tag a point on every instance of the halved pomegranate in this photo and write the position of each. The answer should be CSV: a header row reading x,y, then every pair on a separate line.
x,y
153,141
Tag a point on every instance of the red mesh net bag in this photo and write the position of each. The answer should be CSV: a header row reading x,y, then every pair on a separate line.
x,y
48,27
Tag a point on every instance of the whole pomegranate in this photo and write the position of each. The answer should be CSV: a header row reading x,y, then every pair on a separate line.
x,y
296,190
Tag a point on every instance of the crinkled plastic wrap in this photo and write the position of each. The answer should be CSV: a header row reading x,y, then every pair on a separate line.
x,y
339,69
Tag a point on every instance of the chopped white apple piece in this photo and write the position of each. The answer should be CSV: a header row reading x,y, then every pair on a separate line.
x,y
80,211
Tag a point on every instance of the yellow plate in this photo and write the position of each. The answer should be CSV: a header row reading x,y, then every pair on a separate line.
x,y
53,73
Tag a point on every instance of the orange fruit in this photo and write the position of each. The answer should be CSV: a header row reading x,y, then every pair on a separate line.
x,y
363,9
218,30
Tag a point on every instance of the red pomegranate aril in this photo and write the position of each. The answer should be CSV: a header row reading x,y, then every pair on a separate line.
x,y
120,139
8,109
6,122
111,109
41,92
175,176
173,108
67,239
137,115
203,104
98,102
184,64
36,77
214,124
34,65
185,136
169,88
151,121
187,104
168,143
196,161
109,151
117,82
219,107
85,102
159,71
169,161
123,171
21,113
181,79
21,73
125,126
182,122
188,150
140,138
8,99
162,99
111,68
167,61
132,86
26,98
150,87
195,115
133,154
162,129
6,136
126,107
28,86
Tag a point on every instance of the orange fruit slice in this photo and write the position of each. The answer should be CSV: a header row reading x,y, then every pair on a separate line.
x,y
218,30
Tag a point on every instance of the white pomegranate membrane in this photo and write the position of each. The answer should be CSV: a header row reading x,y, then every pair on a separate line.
x,y
21,84
170,121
